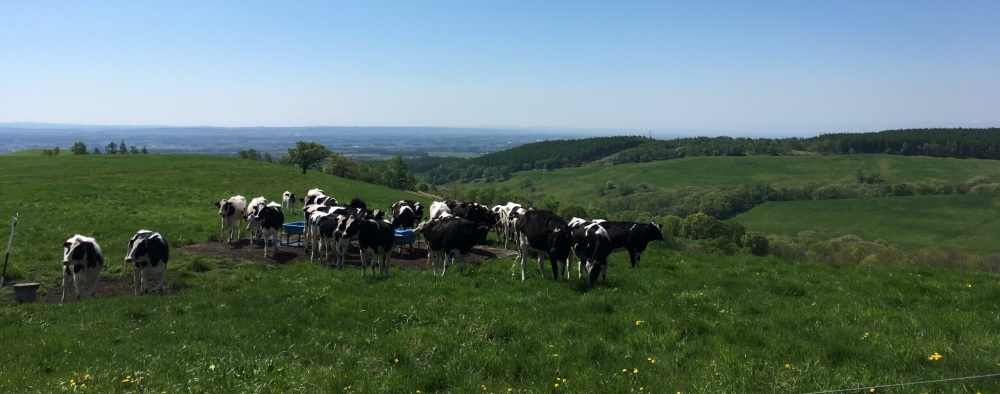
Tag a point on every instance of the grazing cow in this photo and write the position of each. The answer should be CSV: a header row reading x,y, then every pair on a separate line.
x,y
148,253
547,234
592,246
82,263
254,228
633,237
375,238
269,219
232,210
288,201
451,236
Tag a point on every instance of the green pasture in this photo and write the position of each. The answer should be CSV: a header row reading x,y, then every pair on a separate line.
x,y
111,197
681,322
581,184
967,222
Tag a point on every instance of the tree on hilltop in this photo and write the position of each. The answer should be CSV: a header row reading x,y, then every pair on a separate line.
x,y
306,155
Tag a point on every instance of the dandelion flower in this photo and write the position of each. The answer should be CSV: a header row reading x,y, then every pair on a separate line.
x,y
639,322
395,360
624,370
788,366
557,385
86,376
635,370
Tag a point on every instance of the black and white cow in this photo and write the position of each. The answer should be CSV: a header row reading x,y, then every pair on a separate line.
x,y
270,220
82,263
473,211
633,237
288,201
547,234
148,253
314,214
592,246
253,207
375,238
406,213
505,223
318,197
357,202
438,210
231,211
451,237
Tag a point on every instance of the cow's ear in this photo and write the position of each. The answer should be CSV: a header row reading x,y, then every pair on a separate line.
x,y
218,204
67,244
657,225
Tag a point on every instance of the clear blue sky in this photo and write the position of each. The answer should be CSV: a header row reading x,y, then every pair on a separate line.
x,y
754,68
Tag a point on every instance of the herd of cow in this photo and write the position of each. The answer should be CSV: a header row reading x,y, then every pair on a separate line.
x,y
451,230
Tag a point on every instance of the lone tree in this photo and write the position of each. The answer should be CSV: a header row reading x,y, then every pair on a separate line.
x,y
79,148
307,155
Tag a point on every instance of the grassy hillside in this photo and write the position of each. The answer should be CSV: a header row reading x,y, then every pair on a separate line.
x,y
967,222
679,323
581,184
111,197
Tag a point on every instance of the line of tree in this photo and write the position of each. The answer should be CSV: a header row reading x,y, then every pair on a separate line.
x,y
311,155
499,166
112,148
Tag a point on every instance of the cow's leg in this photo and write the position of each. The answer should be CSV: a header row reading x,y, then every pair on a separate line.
x,y
461,263
163,277
556,272
137,279
447,258
66,273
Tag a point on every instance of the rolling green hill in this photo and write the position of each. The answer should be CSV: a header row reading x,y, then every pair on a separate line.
x,y
580,184
681,322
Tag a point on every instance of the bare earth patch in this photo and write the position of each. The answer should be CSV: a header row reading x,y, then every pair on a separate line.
x,y
244,250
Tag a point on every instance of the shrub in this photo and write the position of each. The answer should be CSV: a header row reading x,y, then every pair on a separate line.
x,y
756,243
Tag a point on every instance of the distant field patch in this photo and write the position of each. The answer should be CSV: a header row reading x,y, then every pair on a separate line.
x,y
967,222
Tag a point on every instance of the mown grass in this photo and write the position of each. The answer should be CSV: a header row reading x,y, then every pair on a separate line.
x,y
965,222
681,322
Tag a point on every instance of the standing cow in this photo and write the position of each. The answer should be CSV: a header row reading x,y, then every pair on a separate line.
x,y
231,211
255,206
82,263
375,239
633,237
288,201
148,253
449,238
592,246
547,234
269,220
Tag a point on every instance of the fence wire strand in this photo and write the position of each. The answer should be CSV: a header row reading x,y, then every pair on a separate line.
x,y
905,384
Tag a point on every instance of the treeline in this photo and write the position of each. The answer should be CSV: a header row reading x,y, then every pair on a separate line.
x,y
958,143
112,148
725,202
538,155
499,166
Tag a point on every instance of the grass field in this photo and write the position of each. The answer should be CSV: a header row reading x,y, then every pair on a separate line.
x,y
681,322
967,222
581,184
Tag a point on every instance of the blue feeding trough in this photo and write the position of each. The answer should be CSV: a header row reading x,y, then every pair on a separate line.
x,y
404,236
294,228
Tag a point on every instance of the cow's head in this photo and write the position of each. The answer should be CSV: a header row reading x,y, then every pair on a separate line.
x,y
560,243
138,247
79,249
226,208
655,232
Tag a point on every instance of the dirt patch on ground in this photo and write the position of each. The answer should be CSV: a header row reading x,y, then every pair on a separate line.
x,y
244,250
403,258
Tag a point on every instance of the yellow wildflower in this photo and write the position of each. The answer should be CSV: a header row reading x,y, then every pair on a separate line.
x,y
635,370
557,385
788,365
395,360
639,322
